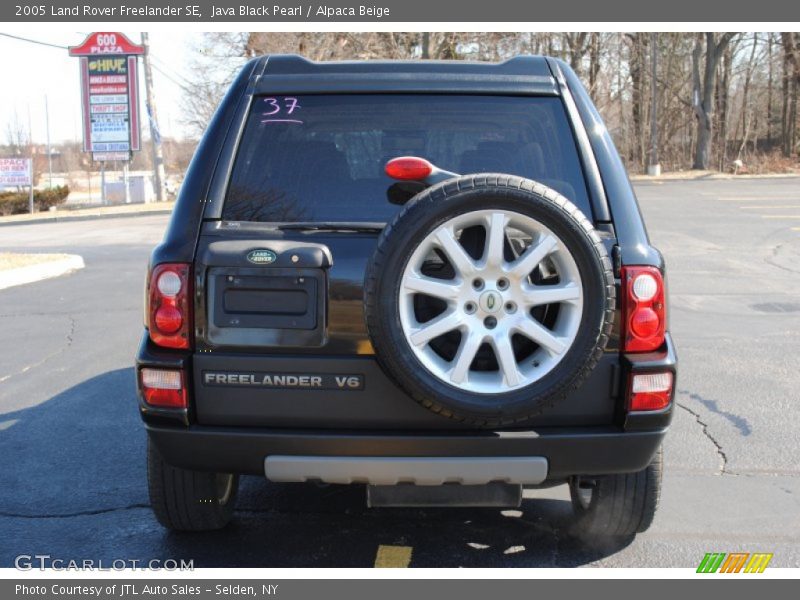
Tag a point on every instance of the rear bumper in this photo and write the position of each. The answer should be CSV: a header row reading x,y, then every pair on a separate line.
x,y
574,451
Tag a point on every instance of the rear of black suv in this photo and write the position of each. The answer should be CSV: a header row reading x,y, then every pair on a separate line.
x,y
432,278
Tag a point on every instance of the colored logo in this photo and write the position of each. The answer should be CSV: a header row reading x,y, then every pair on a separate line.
x,y
261,256
735,562
489,301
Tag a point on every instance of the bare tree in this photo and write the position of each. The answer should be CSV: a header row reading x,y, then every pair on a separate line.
x,y
594,63
714,94
722,102
18,139
638,70
747,112
703,91
577,45
215,62
791,84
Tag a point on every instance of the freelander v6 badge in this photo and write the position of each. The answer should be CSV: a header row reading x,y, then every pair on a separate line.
x,y
319,381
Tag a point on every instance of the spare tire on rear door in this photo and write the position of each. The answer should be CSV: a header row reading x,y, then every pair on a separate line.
x,y
489,298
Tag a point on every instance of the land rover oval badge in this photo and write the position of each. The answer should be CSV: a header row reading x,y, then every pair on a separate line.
x,y
261,256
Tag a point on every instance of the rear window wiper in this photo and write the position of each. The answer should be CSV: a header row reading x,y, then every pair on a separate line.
x,y
344,226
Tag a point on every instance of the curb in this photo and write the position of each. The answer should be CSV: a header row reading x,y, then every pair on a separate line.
x,y
703,176
62,217
32,273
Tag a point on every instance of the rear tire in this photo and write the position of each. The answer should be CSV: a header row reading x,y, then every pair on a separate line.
x,y
616,506
185,500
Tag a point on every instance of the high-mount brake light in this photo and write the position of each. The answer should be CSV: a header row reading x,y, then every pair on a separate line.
x,y
169,305
644,309
408,168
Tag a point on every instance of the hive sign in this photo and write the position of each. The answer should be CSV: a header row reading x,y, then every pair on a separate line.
x,y
110,95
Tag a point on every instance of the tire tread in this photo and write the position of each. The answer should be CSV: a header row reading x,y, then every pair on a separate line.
x,y
176,494
623,504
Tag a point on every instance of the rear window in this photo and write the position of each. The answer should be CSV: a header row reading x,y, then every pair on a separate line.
x,y
321,157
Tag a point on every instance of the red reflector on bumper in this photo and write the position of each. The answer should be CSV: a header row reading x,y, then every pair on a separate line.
x,y
650,391
163,388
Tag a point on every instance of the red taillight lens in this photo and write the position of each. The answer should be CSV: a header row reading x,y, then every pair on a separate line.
x,y
168,319
408,168
650,391
644,309
169,305
163,388
644,323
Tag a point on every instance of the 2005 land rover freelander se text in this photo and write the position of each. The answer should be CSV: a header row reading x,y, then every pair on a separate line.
x,y
428,277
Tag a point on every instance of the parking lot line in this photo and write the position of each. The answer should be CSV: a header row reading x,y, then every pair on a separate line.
x,y
791,198
780,216
397,557
771,207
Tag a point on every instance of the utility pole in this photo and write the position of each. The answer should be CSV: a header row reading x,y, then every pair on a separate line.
x,y
103,199
653,166
155,136
49,150
30,143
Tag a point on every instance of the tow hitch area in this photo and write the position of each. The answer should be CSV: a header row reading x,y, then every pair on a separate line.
x,y
406,495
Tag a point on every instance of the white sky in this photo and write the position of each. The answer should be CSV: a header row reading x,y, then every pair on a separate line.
x,y
29,71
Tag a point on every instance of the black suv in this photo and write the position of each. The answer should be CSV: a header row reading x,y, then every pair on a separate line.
x,y
428,277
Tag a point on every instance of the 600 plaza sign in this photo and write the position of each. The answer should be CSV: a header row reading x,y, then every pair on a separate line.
x,y
110,95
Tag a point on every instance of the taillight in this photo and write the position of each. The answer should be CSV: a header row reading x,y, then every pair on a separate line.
x,y
169,305
644,309
163,388
650,391
408,168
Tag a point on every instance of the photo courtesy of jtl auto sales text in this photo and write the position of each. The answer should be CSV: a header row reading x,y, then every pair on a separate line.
x,y
398,298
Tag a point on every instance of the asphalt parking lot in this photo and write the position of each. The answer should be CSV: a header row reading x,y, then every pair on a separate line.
x,y
72,484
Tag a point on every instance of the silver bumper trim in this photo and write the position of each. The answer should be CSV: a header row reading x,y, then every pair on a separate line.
x,y
420,470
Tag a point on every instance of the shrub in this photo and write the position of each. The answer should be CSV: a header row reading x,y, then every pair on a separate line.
x,y
15,203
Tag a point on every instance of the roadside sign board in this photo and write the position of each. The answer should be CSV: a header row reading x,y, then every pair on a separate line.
x,y
15,171
109,95
110,156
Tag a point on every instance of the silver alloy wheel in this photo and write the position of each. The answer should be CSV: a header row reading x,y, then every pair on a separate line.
x,y
490,300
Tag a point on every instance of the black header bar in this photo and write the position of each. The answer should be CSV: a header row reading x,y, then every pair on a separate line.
x,y
393,11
